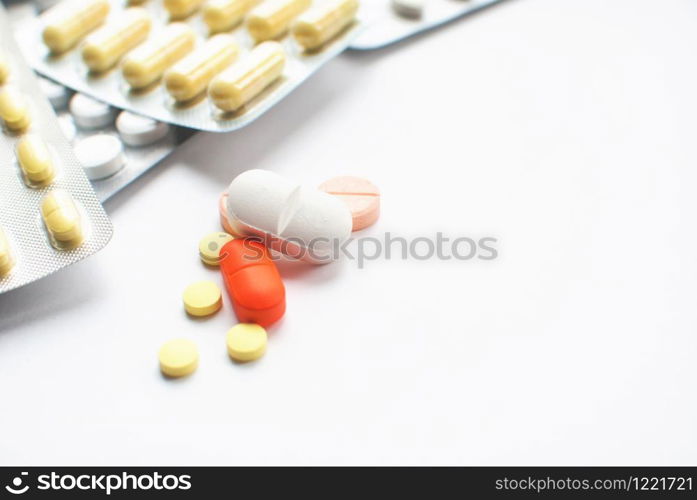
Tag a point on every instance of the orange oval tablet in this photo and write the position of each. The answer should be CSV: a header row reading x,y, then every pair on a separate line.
x,y
252,280
360,195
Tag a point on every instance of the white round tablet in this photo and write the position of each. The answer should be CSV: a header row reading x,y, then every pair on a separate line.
x,y
58,95
136,130
101,155
68,127
90,113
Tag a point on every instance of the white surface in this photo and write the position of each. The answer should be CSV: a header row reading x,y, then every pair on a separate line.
x,y
565,129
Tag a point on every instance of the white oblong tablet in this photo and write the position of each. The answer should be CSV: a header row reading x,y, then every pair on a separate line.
x,y
101,155
57,94
136,130
301,222
90,113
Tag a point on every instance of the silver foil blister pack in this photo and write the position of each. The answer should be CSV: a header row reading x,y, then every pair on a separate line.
x,y
386,25
154,102
32,249
138,159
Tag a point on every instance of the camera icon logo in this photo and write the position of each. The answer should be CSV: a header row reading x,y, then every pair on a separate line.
x,y
16,487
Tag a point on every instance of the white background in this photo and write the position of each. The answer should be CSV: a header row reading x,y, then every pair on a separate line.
x,y
566,129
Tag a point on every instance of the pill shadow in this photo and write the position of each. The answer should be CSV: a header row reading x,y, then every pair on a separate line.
x,y
292,269
202,319
143,91
176,380
50,296
246,365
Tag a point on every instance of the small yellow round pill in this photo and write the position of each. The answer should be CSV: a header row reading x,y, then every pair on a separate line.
x,y
178,358
209,247
246,342
202,298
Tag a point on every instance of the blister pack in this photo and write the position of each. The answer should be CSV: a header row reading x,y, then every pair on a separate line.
x,y
391,21
115,147
215,65
50,216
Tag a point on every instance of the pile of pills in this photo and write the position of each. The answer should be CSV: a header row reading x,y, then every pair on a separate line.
x,y
114,147
262,212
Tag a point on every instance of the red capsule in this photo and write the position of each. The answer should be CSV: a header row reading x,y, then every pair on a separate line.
x,y
253,282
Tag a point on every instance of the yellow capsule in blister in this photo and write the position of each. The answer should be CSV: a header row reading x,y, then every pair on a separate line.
x,y
69,21
7,260
4,68
324,21
243,81
62,219
35,159
147,63
179,9
190,76
14,110
105,47
273,18
221,15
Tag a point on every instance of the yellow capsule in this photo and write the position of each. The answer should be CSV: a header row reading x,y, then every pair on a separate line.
x,y
273,18
179,9
323,22
105,47
4,69
69,21
14,110
35,159
147,63
190,76
7,260
221,15
243,81
62,218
